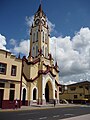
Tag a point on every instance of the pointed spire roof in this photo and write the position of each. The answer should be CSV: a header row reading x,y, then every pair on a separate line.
x,y
56,64
40,8
19,56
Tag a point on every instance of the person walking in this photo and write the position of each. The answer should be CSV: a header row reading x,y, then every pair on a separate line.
x,y
16,104
54,102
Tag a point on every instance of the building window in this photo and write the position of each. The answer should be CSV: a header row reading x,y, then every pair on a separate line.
x,y
36,50
3,68
46,52
80,86
11,95
87,87
87,96
43,50
80,94
2,85
75,96
12,85
43,36
33,37
33,51
13,70
73,88
60,89
37,36
34,94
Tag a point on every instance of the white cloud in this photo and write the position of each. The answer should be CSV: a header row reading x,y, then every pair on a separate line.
x,y
23,47
12,42
29,20
69,82
51,25
82,39
73,55
2,42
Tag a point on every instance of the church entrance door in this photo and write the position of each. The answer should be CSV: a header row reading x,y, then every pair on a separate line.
x,y
48,92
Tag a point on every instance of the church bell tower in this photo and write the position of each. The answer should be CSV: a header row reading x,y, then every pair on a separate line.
x,y
39,72
39,35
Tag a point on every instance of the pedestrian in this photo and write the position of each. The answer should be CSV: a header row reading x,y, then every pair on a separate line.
x,y
16,104
54,102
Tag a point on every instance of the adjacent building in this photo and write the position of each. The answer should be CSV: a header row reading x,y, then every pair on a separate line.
x,y
76,93
10,79
33,79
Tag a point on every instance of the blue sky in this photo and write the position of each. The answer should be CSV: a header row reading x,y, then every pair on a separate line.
x,y
70,20
67,15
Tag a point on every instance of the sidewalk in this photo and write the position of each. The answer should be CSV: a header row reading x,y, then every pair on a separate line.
x,y
38,107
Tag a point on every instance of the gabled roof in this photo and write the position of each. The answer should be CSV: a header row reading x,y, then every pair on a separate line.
x,y
80,83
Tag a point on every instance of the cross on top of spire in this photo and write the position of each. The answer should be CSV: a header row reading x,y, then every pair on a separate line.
x,y
40,1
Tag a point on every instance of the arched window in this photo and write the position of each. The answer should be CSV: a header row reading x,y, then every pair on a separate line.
x,y
37,36
36,50
33,37
46,37
46,52
43,50
33,51
34,93
43,36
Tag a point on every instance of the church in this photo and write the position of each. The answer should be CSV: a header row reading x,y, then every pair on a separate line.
x,y
33,79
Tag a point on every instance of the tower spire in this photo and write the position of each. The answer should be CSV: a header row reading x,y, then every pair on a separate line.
x,y
40,1
40,7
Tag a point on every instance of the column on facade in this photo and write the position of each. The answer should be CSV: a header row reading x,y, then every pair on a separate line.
x,y
31,94
28,93
57,94
53,88
43,90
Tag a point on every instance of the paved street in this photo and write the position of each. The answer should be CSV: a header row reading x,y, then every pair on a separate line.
x,y
47,114
81,117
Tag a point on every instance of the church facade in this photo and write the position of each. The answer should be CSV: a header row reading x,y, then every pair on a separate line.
x,y
38,75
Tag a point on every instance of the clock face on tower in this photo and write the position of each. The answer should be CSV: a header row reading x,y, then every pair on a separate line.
x,y
43,22
40,21
37,21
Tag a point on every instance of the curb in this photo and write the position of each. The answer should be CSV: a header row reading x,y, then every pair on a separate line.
x,y
28,108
